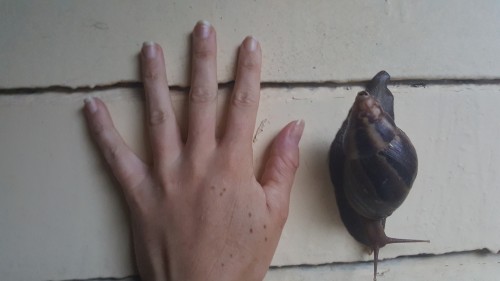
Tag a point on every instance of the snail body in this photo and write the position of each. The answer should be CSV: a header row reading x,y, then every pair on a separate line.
x,y
372,166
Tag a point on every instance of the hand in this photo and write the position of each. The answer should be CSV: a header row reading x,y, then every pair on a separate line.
x,y
198,212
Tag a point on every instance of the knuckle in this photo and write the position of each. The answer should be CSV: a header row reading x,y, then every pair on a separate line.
x,y
233,160
237,165
285,165
244,98
197,174
133,181
203,53
201,95
282,214
112,153
167,183
250,64
157,117
98,129
151,74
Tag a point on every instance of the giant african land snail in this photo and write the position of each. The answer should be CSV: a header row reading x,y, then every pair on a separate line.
x,y
372,165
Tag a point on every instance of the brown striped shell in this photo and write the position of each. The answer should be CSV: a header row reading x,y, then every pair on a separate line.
x,y
372,166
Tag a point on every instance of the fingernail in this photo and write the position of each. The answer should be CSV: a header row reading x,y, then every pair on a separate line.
x,y
250,44
149,49
203,28
90,104
296,131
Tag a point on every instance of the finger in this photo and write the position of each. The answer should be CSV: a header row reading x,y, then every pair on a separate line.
x,y
283,161
128,169
203,94
245,99
164,132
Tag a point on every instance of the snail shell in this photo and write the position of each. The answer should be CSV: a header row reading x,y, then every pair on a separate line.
x,y
372,166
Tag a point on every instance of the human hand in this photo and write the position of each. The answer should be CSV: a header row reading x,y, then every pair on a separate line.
x,y
198,212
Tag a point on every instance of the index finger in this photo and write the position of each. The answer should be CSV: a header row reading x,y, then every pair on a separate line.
x,y
246,94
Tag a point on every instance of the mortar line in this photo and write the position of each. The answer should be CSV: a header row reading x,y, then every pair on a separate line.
x,y
313,266
417,256
264,85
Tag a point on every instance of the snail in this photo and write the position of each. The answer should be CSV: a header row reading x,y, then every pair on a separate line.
x,y
372,166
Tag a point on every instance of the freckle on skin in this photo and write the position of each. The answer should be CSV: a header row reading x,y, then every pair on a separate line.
x,y
222,264
251,230
212,187
249,215
230,255
265,239
265,226
224,189
220,194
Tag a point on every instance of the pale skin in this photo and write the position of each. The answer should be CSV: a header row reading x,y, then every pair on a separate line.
x,y
198,211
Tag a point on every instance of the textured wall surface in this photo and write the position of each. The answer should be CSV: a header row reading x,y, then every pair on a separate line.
x,y
96,43
62,217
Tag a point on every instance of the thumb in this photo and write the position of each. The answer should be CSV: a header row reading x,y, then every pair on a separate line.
x,y
280,168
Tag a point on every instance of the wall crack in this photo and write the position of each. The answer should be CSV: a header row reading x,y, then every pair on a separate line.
x,y
64,89
479,253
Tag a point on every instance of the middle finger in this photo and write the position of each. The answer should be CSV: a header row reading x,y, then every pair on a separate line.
x,y
203,94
